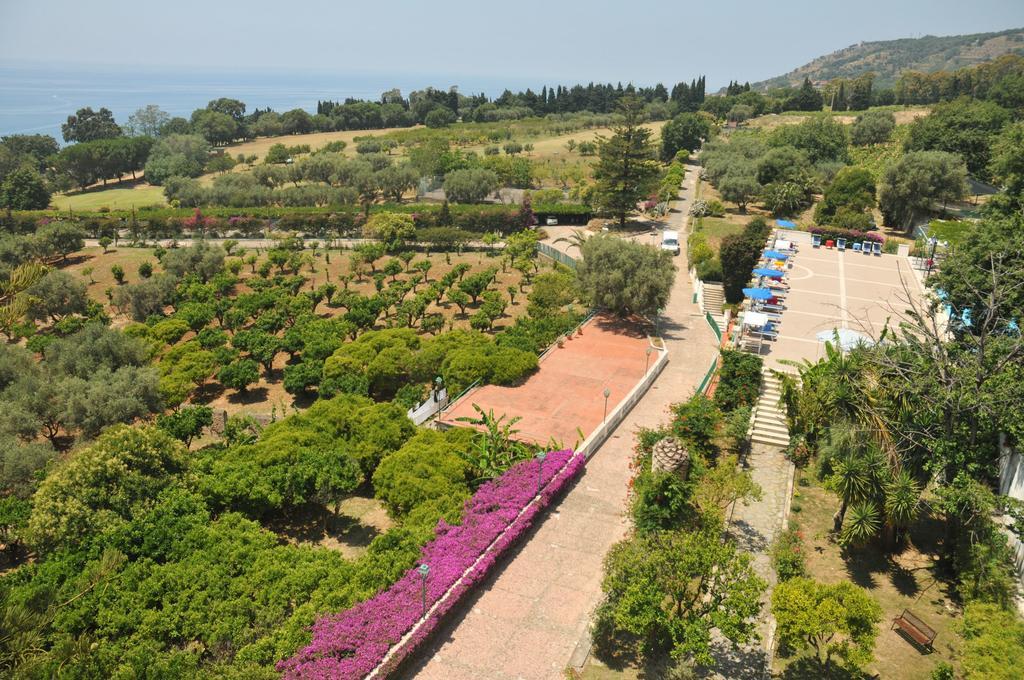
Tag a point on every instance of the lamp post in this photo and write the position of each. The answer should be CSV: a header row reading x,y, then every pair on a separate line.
x,y
423,570
540,469
647,361
437,389
607,393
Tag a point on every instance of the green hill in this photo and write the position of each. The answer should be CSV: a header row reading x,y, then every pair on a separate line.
x,y
887,58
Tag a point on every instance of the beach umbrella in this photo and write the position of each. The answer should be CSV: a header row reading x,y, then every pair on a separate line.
x,y
758,293
785,224
845,338
772,273
775,255
758,319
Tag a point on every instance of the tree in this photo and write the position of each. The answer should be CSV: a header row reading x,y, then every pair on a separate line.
x,y
837,619
667,590
807,98
186,423
177,156
88,125
396,180
625,277
390,228
993,645
147,122
853,188
300,378
739,189
239,374
739,254
470,185
200,259
216,128
625,172
261,346
95,490
822,138
1007,164
60,237
296,122
439,117
684,132
911,185
872,127
56,295
24,189
965,126
427,467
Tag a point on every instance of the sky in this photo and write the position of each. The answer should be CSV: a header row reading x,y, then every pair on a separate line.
x,y
643,41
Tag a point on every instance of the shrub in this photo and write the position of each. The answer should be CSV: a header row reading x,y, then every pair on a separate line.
x,y
169,331
739,380
788,557
353,643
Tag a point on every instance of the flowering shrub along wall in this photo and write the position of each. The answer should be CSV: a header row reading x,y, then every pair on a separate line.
x,y
849,234
351,644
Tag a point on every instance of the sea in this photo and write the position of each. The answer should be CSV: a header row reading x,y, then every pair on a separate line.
x,y
37,99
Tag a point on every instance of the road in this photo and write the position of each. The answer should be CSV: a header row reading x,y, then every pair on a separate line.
x,y
532,618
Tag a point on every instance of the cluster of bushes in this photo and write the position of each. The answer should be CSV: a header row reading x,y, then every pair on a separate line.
x,y
739,254
833,233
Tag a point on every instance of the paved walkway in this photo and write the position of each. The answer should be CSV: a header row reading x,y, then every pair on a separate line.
x,y
754,527
526,621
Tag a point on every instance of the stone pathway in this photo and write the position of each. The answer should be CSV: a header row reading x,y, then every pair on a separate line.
x,y
527,620
754,527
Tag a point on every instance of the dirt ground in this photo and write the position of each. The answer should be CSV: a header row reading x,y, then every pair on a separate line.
x,y
911,579
269,395
349,531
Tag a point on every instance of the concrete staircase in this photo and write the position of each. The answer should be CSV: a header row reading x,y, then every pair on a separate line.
x,y
769,418
714,298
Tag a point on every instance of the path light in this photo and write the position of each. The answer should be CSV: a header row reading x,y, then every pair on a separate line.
x,y
607,393
647,362
540,469
437,388
423,570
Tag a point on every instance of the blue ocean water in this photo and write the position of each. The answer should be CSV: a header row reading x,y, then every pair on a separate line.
x,y
38,99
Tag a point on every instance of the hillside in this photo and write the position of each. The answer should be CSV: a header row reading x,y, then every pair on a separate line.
x,y
887,58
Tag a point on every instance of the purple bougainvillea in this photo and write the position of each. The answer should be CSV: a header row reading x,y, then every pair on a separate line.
x,y
351,644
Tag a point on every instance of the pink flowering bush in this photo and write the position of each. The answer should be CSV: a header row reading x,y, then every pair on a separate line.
x,y
351,644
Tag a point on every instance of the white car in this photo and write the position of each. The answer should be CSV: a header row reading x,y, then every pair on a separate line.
x,y
551,221
670,241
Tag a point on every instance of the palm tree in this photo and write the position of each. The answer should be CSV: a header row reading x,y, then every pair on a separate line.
x,y
853,472
863,524
902,503
577,238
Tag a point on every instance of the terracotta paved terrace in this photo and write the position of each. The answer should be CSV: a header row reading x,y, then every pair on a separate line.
x,y
831,289
568,391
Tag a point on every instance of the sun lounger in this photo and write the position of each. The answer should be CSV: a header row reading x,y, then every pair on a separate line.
x,y
856,247
841,244
877,248
815,241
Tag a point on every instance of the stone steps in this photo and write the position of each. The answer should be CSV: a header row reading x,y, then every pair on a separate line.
x,y
769,418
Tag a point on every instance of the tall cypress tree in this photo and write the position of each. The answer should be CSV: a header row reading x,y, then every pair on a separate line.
x,y
626,170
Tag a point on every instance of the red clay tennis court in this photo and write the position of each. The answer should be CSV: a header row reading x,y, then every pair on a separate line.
x,y
567,392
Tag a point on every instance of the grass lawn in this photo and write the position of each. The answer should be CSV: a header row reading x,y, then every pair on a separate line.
x,y
717,228
114,198
269,394
910,579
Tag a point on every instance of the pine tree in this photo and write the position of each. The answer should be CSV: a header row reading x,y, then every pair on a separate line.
x,y
626,170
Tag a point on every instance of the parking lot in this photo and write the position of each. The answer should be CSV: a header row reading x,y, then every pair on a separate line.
x,y
830,289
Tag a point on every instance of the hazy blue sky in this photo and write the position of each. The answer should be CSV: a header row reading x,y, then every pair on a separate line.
x,y
550,40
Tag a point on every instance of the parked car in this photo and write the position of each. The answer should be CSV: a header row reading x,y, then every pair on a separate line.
x,y
670,241
551,221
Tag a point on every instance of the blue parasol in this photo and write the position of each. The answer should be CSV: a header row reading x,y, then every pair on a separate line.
x,y
785,224
764,271
758,293
775,255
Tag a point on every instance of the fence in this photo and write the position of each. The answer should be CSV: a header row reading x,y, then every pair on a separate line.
x,y
592,443
714,325
556,255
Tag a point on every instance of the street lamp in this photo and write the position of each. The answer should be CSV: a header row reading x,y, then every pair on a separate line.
x,y
607,393
437,388
540,469
423,570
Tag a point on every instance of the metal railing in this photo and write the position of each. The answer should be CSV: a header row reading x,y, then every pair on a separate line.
x,y
708,376
714,325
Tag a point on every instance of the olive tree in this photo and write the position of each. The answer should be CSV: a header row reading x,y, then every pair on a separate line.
x,y
625,277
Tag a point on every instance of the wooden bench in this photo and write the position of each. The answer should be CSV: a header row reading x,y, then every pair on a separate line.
x,y
918,631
